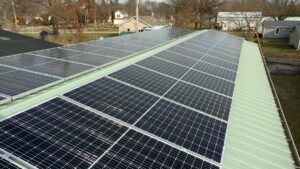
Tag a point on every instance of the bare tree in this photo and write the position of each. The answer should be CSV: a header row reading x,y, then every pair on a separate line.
x,y
249,18
280,9
194,10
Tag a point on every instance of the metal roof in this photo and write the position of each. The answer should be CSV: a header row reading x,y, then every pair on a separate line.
x,y
255,136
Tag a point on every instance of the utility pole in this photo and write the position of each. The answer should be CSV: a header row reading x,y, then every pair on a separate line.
x,y
137,16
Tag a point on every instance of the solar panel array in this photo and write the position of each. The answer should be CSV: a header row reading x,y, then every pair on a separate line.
x,y
5,164
170,110
27,72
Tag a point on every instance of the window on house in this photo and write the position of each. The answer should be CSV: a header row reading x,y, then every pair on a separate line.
x,y
277,31
118,15
128,30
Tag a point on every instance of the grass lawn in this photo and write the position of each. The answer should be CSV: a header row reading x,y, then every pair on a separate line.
x,y
288,89
279,48
73,38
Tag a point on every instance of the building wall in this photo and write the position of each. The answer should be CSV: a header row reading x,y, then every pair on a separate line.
x,y
271,33
131,26
231,24
118,21
295,40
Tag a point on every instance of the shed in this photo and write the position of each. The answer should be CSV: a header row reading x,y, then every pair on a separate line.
x,y
278,29
295,37
232,20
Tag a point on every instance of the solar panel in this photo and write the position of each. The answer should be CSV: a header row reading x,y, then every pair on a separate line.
x,y
81,48
58,53
4,69
215,70
186,52
165,67
17,82
144,79
113,98
91,59
209,82
200,99
60,68
184,127
176,58
224,56
24,60
58,134
111,52
136,150
120,46
194,47
4,164
220,62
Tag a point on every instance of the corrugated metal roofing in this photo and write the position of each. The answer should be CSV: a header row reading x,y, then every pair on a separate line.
x,y
255,137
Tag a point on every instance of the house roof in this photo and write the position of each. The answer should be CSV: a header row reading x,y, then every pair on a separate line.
x,y
239,14
123,11
13,43
280,24
151,21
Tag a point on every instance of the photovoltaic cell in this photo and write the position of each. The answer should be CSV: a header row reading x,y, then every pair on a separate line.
x,y
219,62
194,47
136,150
58,53
200,99
215,70
91,59
58,134
81,47
187,52
17,82
144,79
4,164
228,52
176,58
4,69
113,98
163,67
184,127
111,52
24,60
209,82
224,56
60,68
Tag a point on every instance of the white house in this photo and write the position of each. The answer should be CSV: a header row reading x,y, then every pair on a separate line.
x,y
295,37
120,17
145,23
236,20
278,29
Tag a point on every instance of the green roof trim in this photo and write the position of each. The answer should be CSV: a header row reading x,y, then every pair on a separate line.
x,y
255,137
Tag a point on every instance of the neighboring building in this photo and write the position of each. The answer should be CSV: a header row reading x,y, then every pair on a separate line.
x,y
13,43
295,37
235,20
278,29
145,23
120,17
